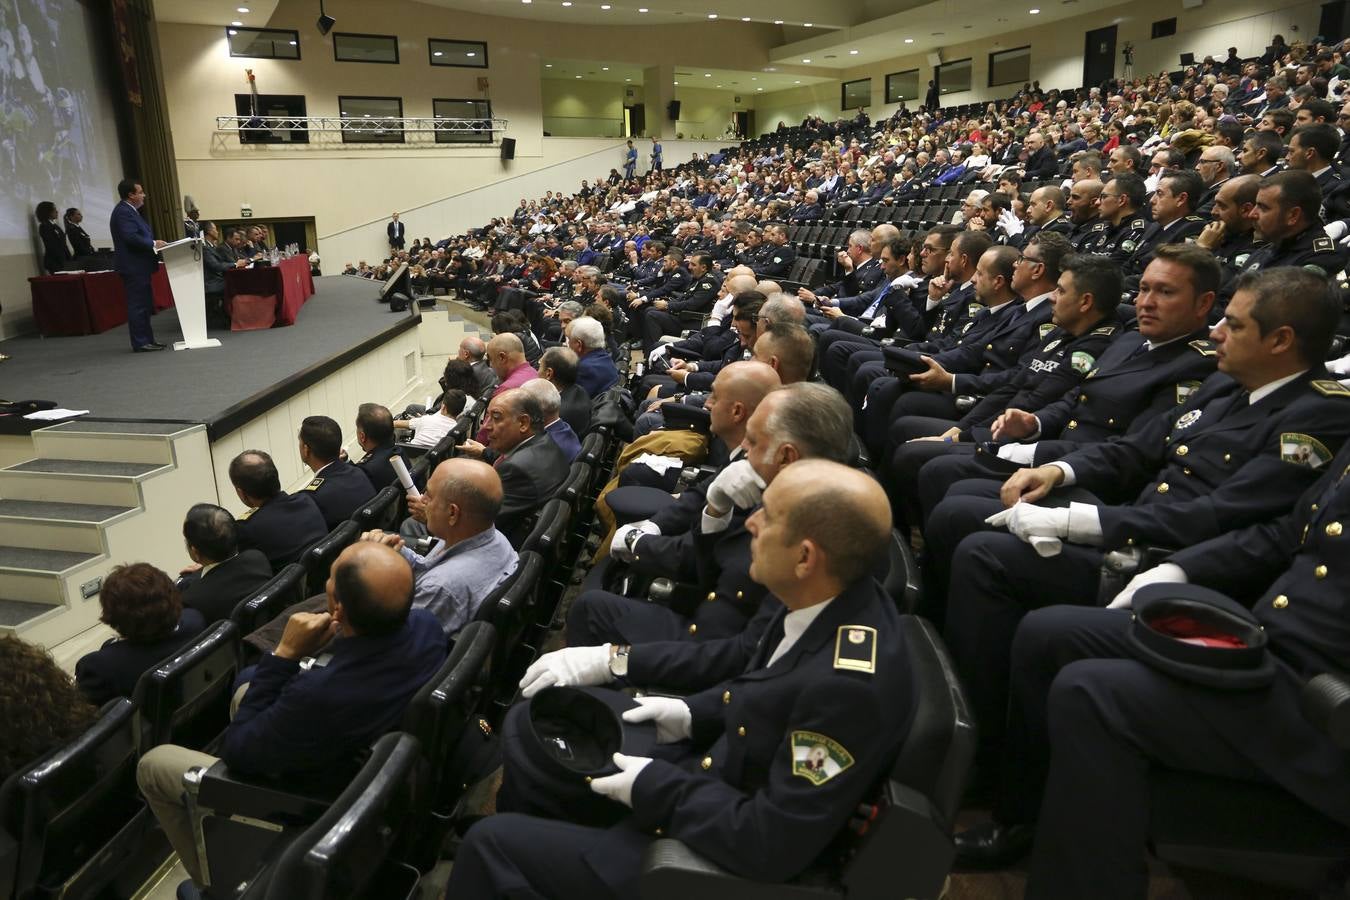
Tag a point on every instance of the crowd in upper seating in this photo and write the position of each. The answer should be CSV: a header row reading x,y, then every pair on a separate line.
x,y
1084,343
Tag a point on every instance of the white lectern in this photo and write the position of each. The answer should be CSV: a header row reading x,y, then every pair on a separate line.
x,y
183,262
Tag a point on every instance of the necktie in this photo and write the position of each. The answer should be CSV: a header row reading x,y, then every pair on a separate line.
x,y
876,304
772,638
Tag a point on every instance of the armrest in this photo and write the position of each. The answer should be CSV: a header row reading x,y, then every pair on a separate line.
x,y
1326,703
671,871
412,451
222,793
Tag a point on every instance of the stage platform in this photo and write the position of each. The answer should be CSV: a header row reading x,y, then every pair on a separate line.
x,y
221,388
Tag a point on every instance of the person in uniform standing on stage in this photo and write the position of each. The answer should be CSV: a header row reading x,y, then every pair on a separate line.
x,y
134,246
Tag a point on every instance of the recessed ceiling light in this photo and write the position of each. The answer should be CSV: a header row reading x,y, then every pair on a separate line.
x,y
604,68
243,9
853,53
778,21
643,9
677,83
759,89
707,74
438,53
796,82
806,24
604,6
295,43
237,23
745,18
628,79
233,32
1034,11
712,15
806,60
548,65
578,76
909,40
567,2
470,53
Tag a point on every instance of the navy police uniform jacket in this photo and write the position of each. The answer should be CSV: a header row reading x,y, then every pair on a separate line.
x,y
378,468
1218,462
1124,390
698,297
282,527
339,489
785,753
979,368
1310,248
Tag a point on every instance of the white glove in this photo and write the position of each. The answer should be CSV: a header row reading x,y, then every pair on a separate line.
x,y
568,667
1085,524
1151,183
660,351
1336,230
737,485
1023,454
907,282
1027,520
619,786
671,715
1163,573
1045,545
1011,225
618,547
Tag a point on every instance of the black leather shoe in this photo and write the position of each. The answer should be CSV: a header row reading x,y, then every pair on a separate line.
x,y
147,348
990,845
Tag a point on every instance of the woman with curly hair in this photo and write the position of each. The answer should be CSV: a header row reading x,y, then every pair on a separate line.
x,y
143,606
39,704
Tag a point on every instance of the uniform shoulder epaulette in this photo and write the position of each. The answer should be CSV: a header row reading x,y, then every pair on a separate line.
x,y
1204,347
1105,329
1196,219
855,648
313,485
1328,387
1324,244
244,515
1046,328
1139,223
1099,226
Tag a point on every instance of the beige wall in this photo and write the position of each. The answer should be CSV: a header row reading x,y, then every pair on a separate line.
x,y
573,108
1057,53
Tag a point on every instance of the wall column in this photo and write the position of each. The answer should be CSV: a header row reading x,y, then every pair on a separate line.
x,y
658,87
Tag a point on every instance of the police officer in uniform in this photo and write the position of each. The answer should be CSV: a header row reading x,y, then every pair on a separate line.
x,y
777,256
698,297
674,280
718,547
1119,204
281,525
375,435
1286,216
1083,212
1252,439
780,753
1230,234
1115,718
1174,220
338,487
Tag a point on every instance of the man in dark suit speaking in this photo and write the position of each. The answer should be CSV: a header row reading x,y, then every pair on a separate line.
x,y
134,245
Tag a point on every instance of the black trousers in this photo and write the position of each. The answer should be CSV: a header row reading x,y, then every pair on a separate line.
x,y
599,617
140,307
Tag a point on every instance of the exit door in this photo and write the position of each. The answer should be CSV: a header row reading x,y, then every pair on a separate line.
x,y
1099,56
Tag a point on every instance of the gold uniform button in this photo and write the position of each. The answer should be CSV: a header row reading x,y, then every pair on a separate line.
x,y
1082,396
989,346
1320,572
1228,457
712,595
707,763
1072,424
741,731
693,629
1183,450
1110,421
739,595
726,697
1334,529
1163,488
1187,472
1279,602
1312,508
658,832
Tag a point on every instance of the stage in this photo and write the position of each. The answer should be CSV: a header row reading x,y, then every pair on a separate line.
x,y
221,388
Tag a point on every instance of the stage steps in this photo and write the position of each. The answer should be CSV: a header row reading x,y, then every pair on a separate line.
x,y
96,494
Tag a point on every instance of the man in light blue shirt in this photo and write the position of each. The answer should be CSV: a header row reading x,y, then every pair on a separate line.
x,y
470,557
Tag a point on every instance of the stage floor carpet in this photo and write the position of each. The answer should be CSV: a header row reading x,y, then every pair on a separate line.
x,y
221,387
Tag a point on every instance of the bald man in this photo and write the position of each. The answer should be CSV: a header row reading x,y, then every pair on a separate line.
x,y
1083,213
506,355
302,724
778,760
473,351
470,557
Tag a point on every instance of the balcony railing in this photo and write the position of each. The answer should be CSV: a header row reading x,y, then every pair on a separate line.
x,y
361,130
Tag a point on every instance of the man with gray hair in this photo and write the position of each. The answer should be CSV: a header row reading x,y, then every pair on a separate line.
x,y
596,372
1215,166
862,270
800,421
531,466
473,351
550,402
558,319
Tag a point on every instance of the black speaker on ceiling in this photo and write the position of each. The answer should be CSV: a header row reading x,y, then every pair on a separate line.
x,y
326,23
508,148
673,110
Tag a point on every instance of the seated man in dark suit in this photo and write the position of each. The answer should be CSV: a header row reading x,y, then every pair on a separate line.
x,y
532,467
221,574
596,372
558,366
338,488
309,724
555,426
141,604
375,434
277,523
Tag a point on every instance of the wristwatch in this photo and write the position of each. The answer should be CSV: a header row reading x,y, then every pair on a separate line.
x,y
618,660
631,538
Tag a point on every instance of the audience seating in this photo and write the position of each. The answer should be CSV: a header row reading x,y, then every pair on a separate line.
x,y
318,559
906,848
904,579
286,589
185,700
509,609
380,511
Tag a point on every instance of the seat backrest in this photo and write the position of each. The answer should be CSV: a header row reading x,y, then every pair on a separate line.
x,y
379,511
66,807
341,854
549,528
578,480
185,700
318,558
592,447
509,608
439,712
286,588
903,582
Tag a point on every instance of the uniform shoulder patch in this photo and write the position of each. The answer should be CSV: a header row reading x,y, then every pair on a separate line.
x,y
1105,329
1324,244
1204,347
313,485
1081,361
1330,388
818,758
1303,450
1046,328
855,648
1099,226
1185,389
1139,223
1196,219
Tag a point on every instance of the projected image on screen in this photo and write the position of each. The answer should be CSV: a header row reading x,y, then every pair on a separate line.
x,y
58,137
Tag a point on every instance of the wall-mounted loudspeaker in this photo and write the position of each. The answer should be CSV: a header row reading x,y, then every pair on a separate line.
x,y
326,23
673,110
508,148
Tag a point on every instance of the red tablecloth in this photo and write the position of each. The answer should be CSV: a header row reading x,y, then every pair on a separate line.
x,y
289,281
88,303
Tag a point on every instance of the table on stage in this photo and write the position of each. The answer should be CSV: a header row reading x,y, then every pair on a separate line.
x,y
289,282
87,302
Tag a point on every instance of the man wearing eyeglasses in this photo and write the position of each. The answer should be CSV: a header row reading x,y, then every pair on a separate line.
x,y
1215,167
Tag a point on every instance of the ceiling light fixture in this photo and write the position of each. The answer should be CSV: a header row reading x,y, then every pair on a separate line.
x,y
806,60
470,53
796,82
778,21
237,23
578,76
909,40
438,53
243,9
712,15
604,68
806,24
643,9
1034,11
232,33
853,53
548,65
707,74
604,6
745,18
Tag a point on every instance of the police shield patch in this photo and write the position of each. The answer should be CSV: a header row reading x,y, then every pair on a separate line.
x,y
1082,361
818,758
1046,329
1302,450
1185,389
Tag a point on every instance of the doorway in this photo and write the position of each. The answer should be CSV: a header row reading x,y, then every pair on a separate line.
x,y
634,120
1099,56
